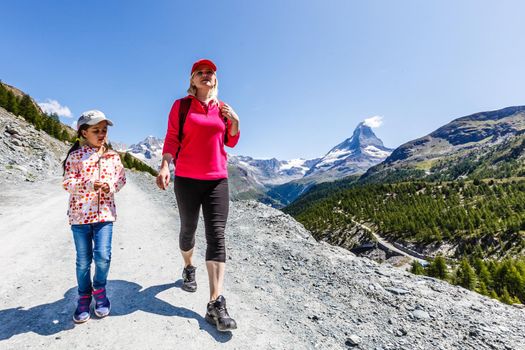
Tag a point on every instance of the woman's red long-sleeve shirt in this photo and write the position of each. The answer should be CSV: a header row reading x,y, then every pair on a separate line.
x,y
202,155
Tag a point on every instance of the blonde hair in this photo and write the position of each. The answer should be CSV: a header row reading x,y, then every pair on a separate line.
x,y
214,92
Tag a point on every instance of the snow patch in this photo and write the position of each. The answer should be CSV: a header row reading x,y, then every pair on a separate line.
x,y
333,156
376,152
294,163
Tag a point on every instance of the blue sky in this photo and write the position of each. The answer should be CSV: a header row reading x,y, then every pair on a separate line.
x,y
300,74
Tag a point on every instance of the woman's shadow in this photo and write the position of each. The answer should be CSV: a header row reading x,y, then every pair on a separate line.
x,y
55,317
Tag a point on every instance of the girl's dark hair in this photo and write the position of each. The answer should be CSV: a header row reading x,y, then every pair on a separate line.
x,y
75,146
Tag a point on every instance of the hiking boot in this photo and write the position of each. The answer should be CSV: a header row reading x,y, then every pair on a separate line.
x,y
217,315
102,304
188,275
82,314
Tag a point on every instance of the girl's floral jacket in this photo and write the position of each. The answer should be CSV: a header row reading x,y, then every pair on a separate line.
x,y
83,167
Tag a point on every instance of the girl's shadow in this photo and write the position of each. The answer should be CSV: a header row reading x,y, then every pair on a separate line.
x,y
52,318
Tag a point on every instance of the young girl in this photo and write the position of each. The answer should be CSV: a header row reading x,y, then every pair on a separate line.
x,y
92,174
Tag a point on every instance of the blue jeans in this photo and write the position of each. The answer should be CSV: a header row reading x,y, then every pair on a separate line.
x,y
92,242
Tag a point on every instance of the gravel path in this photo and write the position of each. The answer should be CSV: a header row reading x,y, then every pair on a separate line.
x,y
149,309
286,290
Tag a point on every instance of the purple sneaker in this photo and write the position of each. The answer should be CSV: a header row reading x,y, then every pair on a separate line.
x,y
82,314
102,304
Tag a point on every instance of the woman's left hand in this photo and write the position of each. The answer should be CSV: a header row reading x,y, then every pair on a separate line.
x,y
229,113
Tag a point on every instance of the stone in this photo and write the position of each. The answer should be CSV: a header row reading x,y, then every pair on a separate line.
x,y
397,291
353,340
421,314
11,130
17,142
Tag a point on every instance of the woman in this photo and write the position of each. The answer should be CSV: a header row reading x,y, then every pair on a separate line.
x,y
199,126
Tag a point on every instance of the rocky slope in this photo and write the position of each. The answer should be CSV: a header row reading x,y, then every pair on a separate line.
x,y
328,296
27,154
331,299
471,137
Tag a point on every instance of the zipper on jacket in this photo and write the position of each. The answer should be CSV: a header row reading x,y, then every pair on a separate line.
x,y
98,192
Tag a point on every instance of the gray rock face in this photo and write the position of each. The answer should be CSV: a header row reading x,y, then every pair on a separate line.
x,y
354,298
474,133
377,255
27,154
479,126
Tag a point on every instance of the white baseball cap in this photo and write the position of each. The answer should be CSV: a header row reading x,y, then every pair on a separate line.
x,y
92,117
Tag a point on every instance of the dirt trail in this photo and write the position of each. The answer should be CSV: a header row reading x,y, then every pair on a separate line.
x,y
390,246
149,309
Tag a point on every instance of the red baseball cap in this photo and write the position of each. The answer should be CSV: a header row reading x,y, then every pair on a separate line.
x,y
202,63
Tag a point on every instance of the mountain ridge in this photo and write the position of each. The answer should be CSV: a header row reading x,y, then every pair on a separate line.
x,y
462,137
278,182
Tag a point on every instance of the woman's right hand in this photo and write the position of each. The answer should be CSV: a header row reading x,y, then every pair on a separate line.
x,y
163,179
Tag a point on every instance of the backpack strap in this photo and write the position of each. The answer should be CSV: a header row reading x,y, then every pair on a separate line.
x,y
184,108
225,123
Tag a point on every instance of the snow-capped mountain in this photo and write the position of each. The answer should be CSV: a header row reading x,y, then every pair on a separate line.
x,y
148,150
264,171
353,156
281,181
272,171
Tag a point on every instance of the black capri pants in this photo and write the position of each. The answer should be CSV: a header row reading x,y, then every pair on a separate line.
x,y
213,196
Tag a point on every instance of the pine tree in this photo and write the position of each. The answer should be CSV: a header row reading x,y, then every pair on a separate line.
x,y
28,110
483,273
3,95
505,297
465,275
482,288
515,283
438,268
12,103
417,268
64,136
123,160
493,294
129,160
